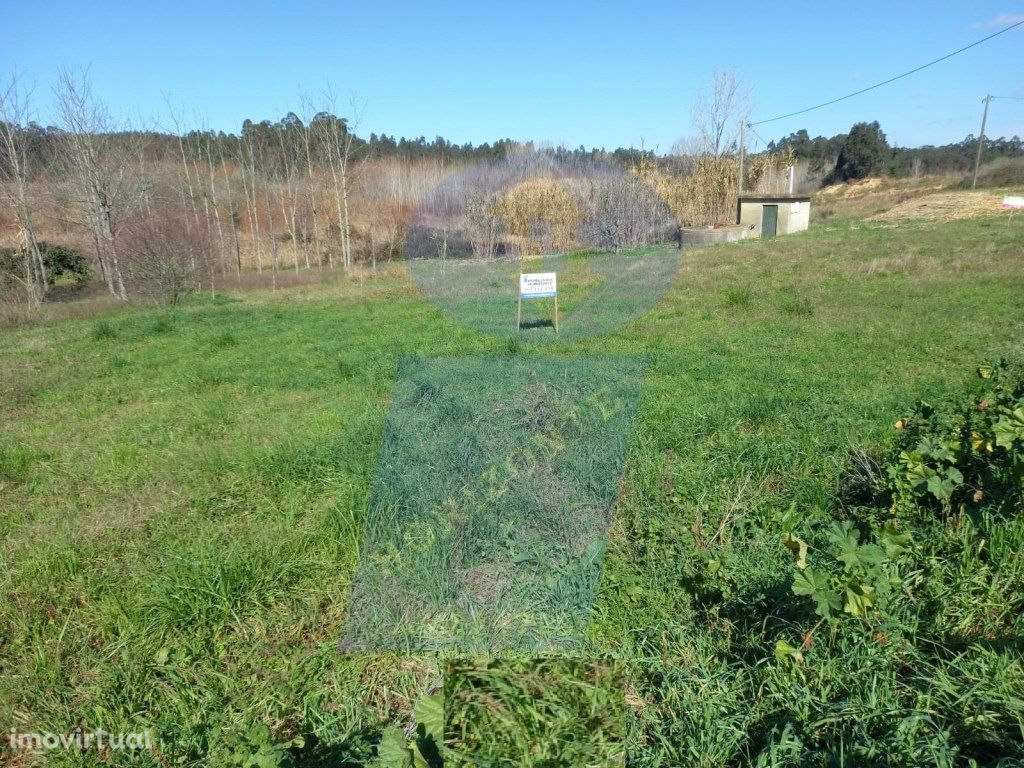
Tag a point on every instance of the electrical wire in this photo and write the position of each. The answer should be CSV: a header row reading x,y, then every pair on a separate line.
x,y
751,127
891,79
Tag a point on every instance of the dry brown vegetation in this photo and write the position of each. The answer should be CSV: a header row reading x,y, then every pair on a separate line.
x,y
704,193
936,198
945,206
541,215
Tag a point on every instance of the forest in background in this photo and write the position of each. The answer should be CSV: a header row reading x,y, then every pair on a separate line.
x,y
821,153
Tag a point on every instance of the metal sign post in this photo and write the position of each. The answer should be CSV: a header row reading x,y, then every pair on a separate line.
x,y
537,285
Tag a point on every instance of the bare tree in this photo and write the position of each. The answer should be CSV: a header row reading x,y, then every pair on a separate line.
x,y
234,217
188,192
98,159
325,134
163,253
337,136
310,188
15,174
208,146
247,162
291,160
195,149
719,111
440,238
264,171
345,156
622,212
274,261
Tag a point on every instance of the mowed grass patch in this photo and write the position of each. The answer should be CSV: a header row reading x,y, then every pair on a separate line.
x,y
180,513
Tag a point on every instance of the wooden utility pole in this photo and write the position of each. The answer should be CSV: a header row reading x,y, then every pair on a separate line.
x,y
981,142
740,185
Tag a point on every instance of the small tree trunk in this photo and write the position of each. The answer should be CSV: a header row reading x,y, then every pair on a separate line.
x,y
273,243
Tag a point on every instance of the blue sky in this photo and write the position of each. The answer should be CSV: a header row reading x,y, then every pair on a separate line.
x,y
592,73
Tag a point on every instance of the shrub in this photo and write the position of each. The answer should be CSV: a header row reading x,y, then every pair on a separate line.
x,y
963,453
540,214
622,212
58,261
851,576
166,255
1003,172
61,261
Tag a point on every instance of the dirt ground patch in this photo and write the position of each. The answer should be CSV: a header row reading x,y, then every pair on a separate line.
x,y
864,199
887,187
945,206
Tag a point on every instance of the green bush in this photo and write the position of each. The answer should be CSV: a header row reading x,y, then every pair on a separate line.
x,y
64,262
858,577
921,586
59,261
964,453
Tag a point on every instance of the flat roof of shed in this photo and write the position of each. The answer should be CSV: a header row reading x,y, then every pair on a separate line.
x,y
775,198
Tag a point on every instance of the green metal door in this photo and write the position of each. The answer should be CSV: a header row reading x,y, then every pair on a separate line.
x,y
769,220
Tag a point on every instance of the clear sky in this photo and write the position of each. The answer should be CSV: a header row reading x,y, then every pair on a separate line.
x,y
591,73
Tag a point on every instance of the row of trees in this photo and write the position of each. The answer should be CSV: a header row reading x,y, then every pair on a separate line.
x,y
276,196
306,192
864,151
94,188
163,211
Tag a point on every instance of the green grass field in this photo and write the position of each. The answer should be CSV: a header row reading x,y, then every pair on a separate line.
x,y
183,496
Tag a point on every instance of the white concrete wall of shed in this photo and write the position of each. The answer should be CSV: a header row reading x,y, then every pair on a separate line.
x,y
750,217
793,217
796,215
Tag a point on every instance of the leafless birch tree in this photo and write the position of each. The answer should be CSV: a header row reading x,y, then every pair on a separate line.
x,y
15,175
290,159
309,140
337,136
98,160
210,168
719,111
247,162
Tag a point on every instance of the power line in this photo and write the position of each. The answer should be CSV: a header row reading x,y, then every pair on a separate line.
x,y
891,79
751,127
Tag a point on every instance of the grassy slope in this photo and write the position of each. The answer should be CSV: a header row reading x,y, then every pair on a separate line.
x,y
182,496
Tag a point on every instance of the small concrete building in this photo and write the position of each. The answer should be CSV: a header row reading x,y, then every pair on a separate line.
x,y
769,215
